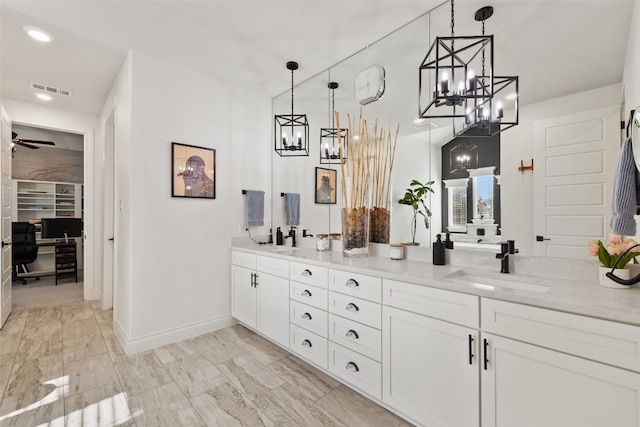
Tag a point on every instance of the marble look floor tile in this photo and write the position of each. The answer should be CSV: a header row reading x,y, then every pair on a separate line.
x,y
103,316
35,347
80,328
70,314
286,407
18,411
225,406
195,375
35,377
141,373
175,351
249,376
165,405
234,333
42,328
115,350
6,364
9,343
308,380
215,348
44,313
101,406
80,348
106,329
263,350
355,410
89,373
15,323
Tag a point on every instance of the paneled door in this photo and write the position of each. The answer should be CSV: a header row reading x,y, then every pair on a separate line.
x,y
575,158
5,216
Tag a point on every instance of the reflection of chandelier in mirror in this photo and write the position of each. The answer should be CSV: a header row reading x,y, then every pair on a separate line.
x,y
333,142
291,130
464,157
450,88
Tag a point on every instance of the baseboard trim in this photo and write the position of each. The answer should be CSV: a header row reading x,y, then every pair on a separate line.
x,y
169,336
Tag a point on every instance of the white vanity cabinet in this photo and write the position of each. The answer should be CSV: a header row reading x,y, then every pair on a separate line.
x,y
431,355
548,368
260,294
308,312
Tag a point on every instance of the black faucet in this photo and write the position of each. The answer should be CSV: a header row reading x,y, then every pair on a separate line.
x,y
305,233
503,256
292,235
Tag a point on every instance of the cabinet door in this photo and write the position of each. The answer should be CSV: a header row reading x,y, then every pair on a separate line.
x,y
430,369
525,385
273,308
243,295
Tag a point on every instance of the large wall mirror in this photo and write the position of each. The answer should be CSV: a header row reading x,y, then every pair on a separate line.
x,y
420,142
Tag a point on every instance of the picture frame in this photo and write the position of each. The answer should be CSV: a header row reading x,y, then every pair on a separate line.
x,y
193,171
326,186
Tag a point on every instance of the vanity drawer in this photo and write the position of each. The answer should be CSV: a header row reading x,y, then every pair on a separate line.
x,y
450,306
307,294
366,312
276,266
243,259
355,336
357,285
309,274
610,342
311,318
308,345
356,369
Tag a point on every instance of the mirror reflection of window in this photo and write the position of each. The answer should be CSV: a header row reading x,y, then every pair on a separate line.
x,y
483,196
458,207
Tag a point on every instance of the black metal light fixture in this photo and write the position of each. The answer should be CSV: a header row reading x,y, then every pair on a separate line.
x,y
463,157
333,142
449,86
291,130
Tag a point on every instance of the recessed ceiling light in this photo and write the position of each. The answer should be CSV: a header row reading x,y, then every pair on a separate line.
x,y
38,34
43,97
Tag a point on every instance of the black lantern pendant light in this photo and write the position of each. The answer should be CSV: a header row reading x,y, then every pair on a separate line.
x,y
333,142
491,115
291,130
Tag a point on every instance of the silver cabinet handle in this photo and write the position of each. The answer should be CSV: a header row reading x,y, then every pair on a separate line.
x,y
306,316
352,307
306,293
352,334
352,367
352,283
306,273
307,344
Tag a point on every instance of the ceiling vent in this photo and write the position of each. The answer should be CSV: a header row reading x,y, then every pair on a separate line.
x,y
51,89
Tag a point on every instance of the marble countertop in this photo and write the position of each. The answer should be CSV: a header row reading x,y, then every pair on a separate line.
x,y
584,296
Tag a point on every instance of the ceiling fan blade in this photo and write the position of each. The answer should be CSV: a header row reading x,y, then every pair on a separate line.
x,y
20,142
36,141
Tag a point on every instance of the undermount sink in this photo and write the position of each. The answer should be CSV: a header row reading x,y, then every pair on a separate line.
x,y
498,281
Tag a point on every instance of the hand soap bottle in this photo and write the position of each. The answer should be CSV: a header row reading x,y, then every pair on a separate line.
x,y
438,251
279,237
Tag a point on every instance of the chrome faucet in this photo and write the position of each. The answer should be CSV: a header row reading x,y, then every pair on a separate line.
x,y
503,256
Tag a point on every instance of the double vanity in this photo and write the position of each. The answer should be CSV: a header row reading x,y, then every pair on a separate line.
x,y
451,345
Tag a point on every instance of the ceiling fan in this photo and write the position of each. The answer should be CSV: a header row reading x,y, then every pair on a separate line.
x,y
28,142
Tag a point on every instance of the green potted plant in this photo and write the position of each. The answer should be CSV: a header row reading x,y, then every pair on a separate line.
x,y
415,196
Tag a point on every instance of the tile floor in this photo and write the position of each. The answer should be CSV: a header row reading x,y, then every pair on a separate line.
x,y
63,366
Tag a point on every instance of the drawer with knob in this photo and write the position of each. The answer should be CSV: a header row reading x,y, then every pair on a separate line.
x,y
309,274
357,285
356,369
311,318
307,294
363,311
355,336
308,345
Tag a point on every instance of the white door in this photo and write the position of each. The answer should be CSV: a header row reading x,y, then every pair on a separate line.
x,y
243,295
430,369
108,214
273,307
5,214
575,161
529,386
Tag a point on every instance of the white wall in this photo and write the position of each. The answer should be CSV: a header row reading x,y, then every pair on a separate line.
x,y
173,254
632,62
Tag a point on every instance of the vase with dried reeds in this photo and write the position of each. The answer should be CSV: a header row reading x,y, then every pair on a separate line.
x,y
384,148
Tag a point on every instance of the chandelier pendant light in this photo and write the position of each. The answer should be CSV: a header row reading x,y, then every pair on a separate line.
x,y
456,81
291,130
331,139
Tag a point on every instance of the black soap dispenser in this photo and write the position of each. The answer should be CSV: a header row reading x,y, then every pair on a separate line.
x,y
279,237
438,251
448,243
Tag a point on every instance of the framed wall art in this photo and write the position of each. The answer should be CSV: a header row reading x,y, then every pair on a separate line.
x,y
193,171
326,186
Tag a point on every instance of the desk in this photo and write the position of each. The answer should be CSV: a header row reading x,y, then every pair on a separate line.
x,y
66,260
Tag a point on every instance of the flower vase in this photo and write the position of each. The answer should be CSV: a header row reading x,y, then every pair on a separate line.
x,y
623,273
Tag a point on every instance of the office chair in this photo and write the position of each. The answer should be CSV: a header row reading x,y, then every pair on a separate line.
x,y
24,248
